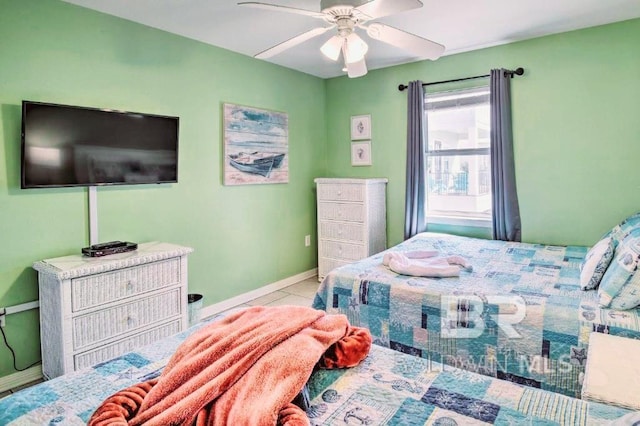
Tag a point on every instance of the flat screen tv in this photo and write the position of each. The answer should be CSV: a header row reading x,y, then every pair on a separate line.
x,y
66,145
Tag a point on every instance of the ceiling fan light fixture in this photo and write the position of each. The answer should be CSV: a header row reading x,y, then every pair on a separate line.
x,y
354,48
331,49
356,69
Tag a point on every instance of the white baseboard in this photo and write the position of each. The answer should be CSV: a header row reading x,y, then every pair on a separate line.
x,y
20,378
207,311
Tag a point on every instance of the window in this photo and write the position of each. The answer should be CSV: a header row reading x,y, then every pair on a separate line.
x,y
458,157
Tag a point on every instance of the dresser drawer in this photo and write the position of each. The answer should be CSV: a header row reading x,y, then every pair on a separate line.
x,y
327,265
107,287
127,344
341,211
341,192
340,250
347,231
117,320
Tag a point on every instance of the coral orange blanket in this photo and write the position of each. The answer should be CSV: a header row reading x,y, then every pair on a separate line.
x,y
242,370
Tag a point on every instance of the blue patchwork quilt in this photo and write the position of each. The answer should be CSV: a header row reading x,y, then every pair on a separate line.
x,y
387,388
518,315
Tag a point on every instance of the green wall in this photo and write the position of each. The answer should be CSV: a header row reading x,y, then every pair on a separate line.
x,y
244,237
576,125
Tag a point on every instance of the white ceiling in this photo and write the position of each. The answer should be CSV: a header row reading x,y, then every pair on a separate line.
x,y
461,25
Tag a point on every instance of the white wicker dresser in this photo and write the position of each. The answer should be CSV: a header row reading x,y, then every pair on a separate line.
x,y
351,221
96,308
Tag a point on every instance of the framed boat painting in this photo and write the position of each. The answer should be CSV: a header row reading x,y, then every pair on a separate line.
x,y
256,145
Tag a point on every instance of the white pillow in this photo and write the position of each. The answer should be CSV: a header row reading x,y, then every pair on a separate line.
x,y
595,263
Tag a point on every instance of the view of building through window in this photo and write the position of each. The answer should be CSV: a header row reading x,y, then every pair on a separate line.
x,y
458,155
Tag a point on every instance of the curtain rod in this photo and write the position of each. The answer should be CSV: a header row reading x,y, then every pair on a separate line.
x,y
518,71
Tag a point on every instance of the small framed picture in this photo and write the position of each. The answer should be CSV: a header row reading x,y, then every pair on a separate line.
x,y
361,153
360,127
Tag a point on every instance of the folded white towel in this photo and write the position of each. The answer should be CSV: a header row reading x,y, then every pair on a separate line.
x,y
417,254
425,264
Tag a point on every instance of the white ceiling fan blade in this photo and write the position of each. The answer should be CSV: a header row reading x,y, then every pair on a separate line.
x,y
279,8
272,51
356,69
379,8
418,46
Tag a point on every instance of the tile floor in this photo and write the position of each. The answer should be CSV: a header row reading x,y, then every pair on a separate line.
x,y
16,389
300,293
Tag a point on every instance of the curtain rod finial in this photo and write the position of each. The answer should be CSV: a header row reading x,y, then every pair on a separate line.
x,y
519,71
401,87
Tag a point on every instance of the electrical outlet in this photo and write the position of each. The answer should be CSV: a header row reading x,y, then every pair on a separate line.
x,y
307,240
3,314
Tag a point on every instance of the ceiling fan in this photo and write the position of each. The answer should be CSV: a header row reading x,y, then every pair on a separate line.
x,y
346,16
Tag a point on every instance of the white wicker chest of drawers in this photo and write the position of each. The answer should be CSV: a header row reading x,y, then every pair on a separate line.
x,y
96,308
351,221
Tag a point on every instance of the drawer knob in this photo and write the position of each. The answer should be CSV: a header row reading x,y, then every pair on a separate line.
x,y
129,285
339,193
131,320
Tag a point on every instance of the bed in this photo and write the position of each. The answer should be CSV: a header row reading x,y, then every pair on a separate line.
x,y
541,282
388,387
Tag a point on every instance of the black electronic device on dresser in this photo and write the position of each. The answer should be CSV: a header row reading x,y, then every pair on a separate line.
x,y
112,247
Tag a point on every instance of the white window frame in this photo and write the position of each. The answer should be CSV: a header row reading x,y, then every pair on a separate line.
x,y
445,100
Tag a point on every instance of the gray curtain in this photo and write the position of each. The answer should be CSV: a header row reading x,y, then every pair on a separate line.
x,y
415,195
506,212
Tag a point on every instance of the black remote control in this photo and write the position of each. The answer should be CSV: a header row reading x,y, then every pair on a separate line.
x,y
110,244
111,247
